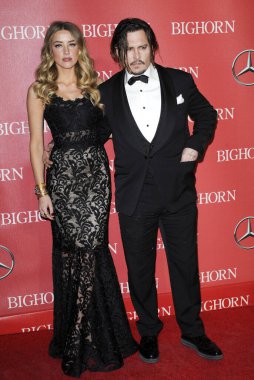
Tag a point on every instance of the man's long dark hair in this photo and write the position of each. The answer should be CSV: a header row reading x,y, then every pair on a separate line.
x,y
118,46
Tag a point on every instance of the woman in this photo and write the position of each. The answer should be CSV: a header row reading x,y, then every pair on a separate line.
x,y
91,330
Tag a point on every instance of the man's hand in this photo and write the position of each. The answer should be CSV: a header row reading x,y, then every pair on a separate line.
x,y
189,154
46,154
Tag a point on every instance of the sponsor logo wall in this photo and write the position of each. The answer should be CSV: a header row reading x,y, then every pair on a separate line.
x,y
216,47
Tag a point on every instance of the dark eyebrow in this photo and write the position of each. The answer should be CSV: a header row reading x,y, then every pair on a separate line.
x,y
139,45
62,41
130,46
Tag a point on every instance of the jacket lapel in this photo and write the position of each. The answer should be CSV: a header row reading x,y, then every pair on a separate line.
x,y
123,118
168,110
125,122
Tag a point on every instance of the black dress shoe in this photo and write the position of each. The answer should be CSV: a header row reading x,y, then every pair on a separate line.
x,y
148,349
203,346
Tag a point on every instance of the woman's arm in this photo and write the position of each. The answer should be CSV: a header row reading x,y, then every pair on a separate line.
x,y
35,109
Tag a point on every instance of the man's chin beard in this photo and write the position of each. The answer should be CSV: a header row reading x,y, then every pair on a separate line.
x,y
135,73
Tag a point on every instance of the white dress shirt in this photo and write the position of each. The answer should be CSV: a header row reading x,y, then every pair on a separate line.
x,y
145,102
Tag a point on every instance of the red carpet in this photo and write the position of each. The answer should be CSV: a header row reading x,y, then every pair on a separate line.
x,y
24,356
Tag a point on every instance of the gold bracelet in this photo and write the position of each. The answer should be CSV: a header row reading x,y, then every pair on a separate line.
x,y
40,190
41,186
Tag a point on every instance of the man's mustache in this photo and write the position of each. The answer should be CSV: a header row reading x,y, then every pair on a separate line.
x,y
139,62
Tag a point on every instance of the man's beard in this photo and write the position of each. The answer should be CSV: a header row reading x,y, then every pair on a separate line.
x,y
129,68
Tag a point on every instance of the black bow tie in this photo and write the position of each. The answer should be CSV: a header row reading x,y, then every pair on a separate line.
x,y
143,78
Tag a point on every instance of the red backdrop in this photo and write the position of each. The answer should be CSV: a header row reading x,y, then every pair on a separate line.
x,y
213,41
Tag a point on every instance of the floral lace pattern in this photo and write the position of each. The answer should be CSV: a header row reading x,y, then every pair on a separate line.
x,y
91,330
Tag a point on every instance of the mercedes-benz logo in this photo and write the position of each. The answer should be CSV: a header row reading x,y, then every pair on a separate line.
x,y
243,233
242,68
7,262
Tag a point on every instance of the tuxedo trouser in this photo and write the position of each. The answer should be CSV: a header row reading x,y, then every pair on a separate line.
x,y
179,234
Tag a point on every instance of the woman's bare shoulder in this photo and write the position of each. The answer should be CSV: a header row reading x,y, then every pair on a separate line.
x,y
31,92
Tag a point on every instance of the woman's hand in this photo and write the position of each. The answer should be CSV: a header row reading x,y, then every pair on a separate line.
x,y
46,208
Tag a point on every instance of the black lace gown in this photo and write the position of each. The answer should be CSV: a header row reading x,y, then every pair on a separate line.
x,y
91,330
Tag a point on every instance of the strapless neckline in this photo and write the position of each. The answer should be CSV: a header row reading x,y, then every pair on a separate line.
x,y
69,100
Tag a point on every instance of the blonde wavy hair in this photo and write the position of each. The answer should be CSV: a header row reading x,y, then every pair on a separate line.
x,y
46,74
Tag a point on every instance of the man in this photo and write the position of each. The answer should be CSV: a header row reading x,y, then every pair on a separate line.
x,y
146,106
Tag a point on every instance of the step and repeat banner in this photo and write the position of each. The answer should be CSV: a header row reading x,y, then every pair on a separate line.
x,y
212,40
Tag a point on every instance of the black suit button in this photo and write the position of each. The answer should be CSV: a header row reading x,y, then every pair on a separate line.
x,y
145,157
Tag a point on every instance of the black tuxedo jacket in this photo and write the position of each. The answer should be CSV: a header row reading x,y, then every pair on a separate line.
x,y
133,153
